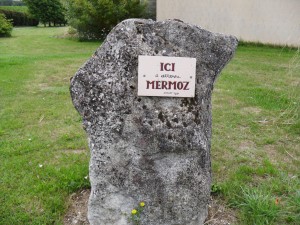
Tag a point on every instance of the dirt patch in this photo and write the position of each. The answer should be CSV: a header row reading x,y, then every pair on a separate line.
x,y
295,82
43,86
218,214
276,157
247,148
271,152
222,101
251,110
75,151
77,212
247,145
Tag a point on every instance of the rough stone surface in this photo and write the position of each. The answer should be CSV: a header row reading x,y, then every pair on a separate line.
x,y
150,149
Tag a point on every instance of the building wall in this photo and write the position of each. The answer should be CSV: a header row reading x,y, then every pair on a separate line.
x,y
266,21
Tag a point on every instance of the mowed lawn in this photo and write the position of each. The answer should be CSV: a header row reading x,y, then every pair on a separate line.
x,y
43,149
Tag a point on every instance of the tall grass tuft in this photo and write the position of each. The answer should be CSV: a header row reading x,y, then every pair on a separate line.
x,y
257,206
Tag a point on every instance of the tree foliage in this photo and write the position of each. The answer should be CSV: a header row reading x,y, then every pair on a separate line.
x,y
19,18
11,3
5,26
93,19
47,11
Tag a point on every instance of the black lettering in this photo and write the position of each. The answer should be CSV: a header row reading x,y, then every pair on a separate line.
x,y
148,83
166,67
186,86
158,83
164,85
179,85
172,83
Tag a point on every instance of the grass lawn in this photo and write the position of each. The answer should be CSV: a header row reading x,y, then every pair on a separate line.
x,y
43,148
256,135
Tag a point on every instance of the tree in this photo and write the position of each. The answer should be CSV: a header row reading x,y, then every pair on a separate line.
x,y
47,11
93,19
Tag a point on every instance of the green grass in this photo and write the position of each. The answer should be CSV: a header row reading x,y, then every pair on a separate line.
x,y
257,206
15,8
43,148
256,135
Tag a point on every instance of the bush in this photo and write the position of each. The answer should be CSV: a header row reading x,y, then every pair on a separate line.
x,y
93,19
5,26
20,18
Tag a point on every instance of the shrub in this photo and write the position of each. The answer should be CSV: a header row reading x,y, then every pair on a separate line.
x,y
5,26
20,18
93,19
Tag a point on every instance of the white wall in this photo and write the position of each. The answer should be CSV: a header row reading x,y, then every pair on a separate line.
x,y
266,21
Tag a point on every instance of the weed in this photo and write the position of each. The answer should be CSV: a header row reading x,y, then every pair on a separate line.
x,y
135,216
216,189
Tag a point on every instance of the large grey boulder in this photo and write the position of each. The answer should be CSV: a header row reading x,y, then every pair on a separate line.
x,y
150,149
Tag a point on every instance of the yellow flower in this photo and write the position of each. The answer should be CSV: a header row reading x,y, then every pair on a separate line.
x,y
142,204
134,211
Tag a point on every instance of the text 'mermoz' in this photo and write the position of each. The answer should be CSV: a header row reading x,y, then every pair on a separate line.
x,y
166,76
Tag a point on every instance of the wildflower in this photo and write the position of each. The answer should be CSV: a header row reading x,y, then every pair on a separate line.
x,y
142,204
134,211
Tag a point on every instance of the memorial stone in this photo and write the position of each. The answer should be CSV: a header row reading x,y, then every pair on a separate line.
x,y
151,149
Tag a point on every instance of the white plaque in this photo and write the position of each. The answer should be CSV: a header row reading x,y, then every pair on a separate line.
x,y
166,76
